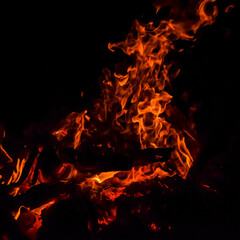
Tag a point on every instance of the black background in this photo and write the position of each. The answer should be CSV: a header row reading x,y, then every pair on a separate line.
x,y
53,52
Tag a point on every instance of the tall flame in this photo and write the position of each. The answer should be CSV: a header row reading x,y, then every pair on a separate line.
x,y
135,103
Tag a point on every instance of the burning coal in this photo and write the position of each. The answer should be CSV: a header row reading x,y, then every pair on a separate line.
x,y
133,134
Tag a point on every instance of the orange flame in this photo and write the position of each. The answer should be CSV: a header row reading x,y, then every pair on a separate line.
x,y
74,122
17,174
139,107
135,105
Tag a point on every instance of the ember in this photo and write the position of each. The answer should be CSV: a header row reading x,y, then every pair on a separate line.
x,y
120,165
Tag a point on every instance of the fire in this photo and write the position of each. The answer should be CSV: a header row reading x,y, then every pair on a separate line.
x,y
135,112
103,176
136,103
73,122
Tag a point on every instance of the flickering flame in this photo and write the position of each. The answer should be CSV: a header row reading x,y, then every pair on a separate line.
x,y
135,107
17,174
17,214
74,123
104,176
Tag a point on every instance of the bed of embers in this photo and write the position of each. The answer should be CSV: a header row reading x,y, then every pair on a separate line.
x,y
154,157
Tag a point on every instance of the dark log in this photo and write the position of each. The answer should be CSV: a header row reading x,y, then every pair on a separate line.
x,y
33,154
40,194
113,161
110,161
47,161
150,155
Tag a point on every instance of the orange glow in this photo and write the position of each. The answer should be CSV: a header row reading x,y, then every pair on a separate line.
x,y
229,8
26,184
66,172
104,176
38,210
154,228
32,231
17,214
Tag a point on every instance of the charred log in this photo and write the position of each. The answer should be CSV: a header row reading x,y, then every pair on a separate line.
x,y
112,161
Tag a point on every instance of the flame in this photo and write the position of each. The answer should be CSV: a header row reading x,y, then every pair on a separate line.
x,y
32,230
104,176
27,183
17,174
17,214
73,123
136,109
136,104
229,8
66,172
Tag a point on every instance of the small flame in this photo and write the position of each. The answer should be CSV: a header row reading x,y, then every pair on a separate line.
x,y
229,8
74,122
17,174
104,176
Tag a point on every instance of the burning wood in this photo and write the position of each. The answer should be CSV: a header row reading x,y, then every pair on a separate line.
x,y
133,137
112,161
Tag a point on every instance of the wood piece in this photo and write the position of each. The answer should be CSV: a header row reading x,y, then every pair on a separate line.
x,y
112,161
